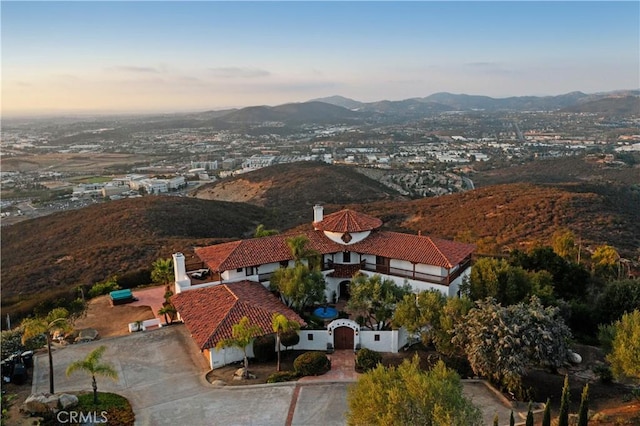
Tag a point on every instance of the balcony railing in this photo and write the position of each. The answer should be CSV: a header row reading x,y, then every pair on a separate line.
x,y
415,275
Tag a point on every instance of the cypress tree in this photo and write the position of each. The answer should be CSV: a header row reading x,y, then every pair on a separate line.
x,y
563,419
495,420
530,414
583,416
512,420
546,417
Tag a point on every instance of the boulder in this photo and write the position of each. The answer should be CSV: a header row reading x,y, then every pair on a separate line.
x,y
574,358
40,403
238,375
68,400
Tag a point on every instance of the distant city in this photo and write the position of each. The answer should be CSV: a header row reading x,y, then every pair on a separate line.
x,y
56,164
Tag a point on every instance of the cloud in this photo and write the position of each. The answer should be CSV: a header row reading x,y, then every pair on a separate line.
x,y
137,70
237,72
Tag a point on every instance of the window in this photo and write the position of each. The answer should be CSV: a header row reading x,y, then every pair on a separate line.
x,y
309,336
251,270
376,337
284,263
346,256
239,270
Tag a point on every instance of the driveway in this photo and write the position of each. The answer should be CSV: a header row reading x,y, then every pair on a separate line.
x,y
162,373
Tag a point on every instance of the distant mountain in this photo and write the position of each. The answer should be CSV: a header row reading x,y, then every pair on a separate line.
x,y
515,103
408,108
294,113
624,105
340,101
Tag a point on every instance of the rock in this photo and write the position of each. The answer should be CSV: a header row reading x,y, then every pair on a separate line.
x,y
40,403
239,372
68,400
238,375
218,383
574,358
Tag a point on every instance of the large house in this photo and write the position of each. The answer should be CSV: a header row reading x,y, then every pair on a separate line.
x,y
348,243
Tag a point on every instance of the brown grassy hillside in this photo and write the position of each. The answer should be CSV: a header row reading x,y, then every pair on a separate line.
x,y
522,215
61,251
290,190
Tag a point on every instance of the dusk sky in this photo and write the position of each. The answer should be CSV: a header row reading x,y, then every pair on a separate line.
x,y
109,57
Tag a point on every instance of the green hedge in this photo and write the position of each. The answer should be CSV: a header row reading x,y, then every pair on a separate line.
x,y
264,348
312,364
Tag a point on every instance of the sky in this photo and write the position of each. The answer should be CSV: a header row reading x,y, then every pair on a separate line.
x,y
122,56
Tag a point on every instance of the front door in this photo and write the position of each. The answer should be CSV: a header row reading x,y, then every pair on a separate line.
x,y
343,338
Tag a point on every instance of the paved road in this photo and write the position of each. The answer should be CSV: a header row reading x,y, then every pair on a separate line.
x,y
162,373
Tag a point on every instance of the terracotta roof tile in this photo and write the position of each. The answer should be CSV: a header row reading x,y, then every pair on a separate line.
x,y
348,221
210,313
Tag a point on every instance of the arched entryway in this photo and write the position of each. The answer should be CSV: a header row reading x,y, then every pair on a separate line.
x,y
344,290
343,338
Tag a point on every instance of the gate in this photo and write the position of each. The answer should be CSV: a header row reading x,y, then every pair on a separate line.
x,y
343,338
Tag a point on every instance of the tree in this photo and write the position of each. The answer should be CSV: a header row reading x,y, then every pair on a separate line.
x,y
162,272
282,324
563,243
262,232
375,299
605,261
617,298
512,420
168,310
502,342
529,420
625,352
583,414
563,417
496,420
434,316
56,320
298,286
497,279
546,416
92,365
299,247
406,395
242,335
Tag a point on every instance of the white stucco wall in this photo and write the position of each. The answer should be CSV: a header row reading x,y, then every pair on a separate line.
x,y
318,342
226,356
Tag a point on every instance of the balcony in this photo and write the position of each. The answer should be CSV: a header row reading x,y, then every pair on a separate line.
x,y
419,276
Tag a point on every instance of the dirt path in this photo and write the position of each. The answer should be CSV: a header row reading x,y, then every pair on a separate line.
x,y
111,320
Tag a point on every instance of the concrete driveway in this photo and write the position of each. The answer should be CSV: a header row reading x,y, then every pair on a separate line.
x,y
162,373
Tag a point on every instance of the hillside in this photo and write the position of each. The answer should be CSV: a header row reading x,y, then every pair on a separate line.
x,y
290,190
611,106
294,113
522,215
58,252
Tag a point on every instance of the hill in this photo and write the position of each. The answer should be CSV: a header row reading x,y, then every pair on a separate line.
x,y
610,106
523,215
294,113
290,190
340,101
89,245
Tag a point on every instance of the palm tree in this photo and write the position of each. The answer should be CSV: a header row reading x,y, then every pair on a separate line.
x,y
162,272
56,320
243,333
282,324
168,310
261,231
298,246
91,364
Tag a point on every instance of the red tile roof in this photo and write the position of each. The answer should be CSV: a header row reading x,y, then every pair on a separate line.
x,y
394,245
414,248
348,221
210,313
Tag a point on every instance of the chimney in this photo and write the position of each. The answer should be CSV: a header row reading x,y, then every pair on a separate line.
x,y
318,213
180,272
419,233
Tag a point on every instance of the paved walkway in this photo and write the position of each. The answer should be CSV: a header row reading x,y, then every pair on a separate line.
x,y
320,391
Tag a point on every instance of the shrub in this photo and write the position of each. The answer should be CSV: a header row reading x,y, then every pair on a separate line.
x,y
104,288
118,409
366,360
282,376
604,373
312,364
135,278
289,338
264,348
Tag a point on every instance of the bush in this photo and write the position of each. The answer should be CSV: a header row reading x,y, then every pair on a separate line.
x,y
282,376
289,338
312,364
366,360
104,288
135,278
264,348
604,373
